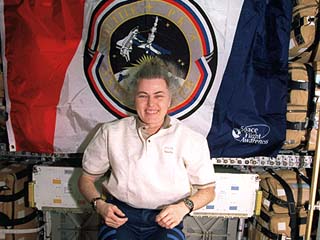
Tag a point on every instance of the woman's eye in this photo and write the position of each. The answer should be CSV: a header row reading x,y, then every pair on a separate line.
x,y
142,96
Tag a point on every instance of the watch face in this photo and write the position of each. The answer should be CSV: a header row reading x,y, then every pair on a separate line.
x,y
188,203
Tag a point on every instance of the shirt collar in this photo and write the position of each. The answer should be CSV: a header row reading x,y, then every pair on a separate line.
x,y
166,123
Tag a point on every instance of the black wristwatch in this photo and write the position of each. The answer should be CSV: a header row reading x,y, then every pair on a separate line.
x,y
94,202
188,202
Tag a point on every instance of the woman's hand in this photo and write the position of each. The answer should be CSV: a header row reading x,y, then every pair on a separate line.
x,y
172,215
111,214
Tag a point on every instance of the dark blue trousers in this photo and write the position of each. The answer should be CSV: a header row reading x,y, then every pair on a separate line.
x,y
141,225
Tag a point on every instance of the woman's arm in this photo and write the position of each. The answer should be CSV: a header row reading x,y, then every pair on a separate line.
x,y
111,214
87,187
173,214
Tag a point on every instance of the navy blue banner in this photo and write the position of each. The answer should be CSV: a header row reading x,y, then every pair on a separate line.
x,y
250,110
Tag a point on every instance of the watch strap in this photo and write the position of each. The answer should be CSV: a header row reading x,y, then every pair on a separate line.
x,y
94,202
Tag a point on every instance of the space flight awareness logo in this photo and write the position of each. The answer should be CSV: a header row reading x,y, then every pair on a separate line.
x,y
255,134
122,34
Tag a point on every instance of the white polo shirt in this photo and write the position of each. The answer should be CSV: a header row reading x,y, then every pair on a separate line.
x,y
153,172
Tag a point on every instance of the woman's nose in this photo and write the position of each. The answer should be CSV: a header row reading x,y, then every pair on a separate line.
x,y
150,101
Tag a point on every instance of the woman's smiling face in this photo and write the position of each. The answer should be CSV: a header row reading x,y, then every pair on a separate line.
x,y
152,101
